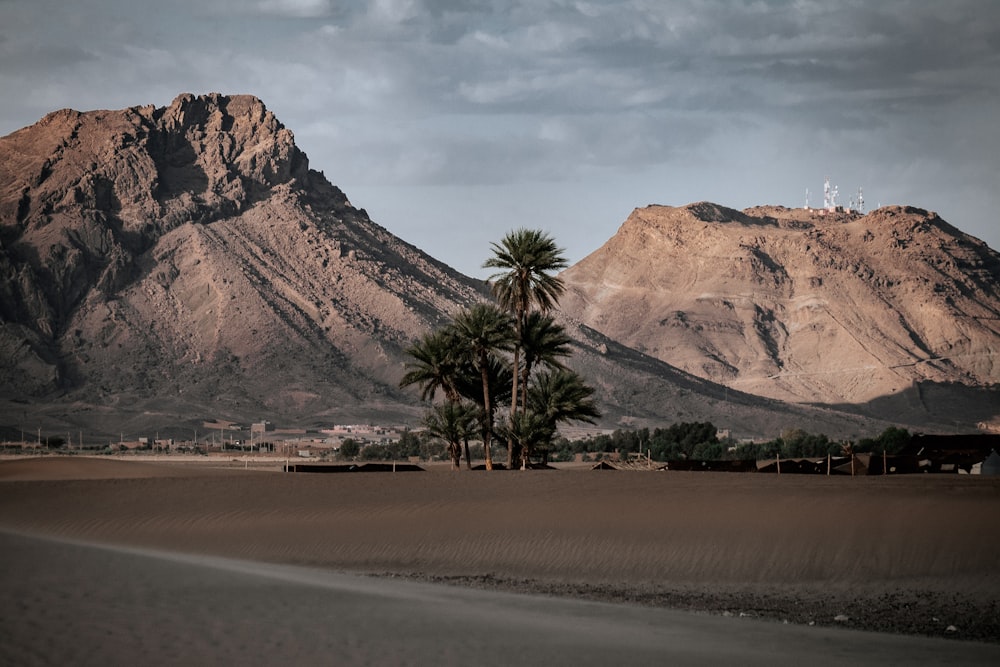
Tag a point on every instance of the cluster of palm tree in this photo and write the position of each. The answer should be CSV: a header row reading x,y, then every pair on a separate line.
x,y
504,354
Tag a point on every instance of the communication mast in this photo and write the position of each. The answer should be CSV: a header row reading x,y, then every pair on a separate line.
x,y
826,194
829,194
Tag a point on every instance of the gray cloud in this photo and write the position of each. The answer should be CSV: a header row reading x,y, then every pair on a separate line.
x,y
296,8
641,100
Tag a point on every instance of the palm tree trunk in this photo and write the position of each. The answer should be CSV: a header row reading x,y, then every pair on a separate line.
x,y
520,317
513,403
455,398
488,414
524,384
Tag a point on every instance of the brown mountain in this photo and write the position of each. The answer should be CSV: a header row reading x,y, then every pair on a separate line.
x,y
187,260
163,266
894,313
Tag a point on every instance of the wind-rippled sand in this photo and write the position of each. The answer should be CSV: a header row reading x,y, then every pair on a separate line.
x,y
901,554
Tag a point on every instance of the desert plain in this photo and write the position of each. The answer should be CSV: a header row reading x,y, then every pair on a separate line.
x,y
129,562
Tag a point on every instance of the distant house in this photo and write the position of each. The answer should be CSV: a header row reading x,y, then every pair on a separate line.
x,y
261,427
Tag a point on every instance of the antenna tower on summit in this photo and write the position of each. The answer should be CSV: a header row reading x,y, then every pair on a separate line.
x,y
829,195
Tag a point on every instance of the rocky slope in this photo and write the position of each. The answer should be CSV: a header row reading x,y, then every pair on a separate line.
x,y
896,313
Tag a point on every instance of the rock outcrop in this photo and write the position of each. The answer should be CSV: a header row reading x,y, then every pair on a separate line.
x,y
895,311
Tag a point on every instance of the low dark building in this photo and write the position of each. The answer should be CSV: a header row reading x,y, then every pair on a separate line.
x,y
950,453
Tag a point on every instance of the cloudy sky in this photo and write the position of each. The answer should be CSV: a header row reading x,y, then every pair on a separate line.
x,y
453,122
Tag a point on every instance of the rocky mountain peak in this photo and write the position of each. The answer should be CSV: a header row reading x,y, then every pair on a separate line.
x,y
240,146
90,191
156,251
199,158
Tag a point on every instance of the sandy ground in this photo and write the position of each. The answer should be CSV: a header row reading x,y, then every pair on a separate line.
x,y
119,561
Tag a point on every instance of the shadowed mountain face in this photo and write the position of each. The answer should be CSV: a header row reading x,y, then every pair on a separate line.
x,y
163,266
186,259
876,312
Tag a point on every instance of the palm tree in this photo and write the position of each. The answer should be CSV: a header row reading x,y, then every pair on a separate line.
x,y
527,258
560,395
441,362
528,429
542,341
470,386
436,365
452,422
484,331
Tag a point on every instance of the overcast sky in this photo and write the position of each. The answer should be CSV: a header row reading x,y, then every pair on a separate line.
x,y
453,122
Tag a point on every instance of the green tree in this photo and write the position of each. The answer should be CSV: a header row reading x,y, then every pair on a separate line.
x,y
542,341
468,358
527,430
350,448
435,365
409,445
452,422
432,449
470,387
560,395
527,260
485,332
708,451
891,440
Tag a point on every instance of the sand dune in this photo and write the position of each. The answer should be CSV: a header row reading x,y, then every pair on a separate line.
x,y
909,554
